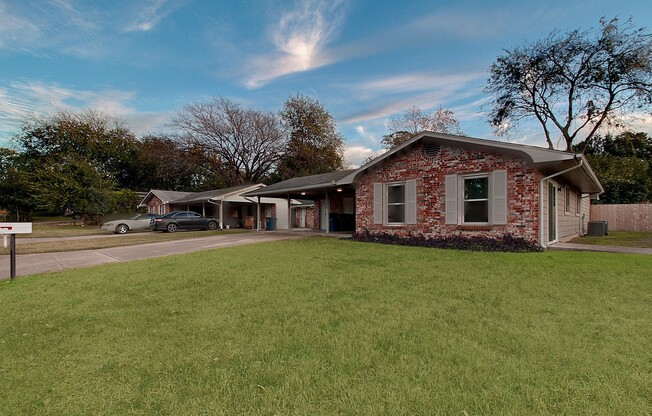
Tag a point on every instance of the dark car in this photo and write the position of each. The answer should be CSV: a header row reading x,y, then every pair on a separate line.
x,y
182,220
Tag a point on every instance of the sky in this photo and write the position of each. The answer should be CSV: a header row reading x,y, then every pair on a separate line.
x,y
365,61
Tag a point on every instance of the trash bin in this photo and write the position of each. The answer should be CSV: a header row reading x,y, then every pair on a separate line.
x,y
270,223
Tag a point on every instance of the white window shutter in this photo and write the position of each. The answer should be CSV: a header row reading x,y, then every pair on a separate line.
x,y
499,197
411,201
378,203
451,199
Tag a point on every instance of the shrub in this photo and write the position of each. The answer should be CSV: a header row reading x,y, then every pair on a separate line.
x,y
507,242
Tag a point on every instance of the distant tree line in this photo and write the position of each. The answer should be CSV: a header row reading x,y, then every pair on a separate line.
x,y
623,163
91,164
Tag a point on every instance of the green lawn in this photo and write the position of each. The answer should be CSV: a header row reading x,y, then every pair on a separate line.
x,y
618,238
67,230
321,327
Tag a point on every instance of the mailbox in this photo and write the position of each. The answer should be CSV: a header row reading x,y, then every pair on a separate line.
x,y
11,229
15,227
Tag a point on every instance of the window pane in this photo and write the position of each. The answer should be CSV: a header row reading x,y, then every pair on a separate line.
x,y
395,213
476,211
395,194
476,188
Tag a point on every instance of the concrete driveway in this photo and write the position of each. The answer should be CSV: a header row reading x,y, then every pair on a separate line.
x,y
27,264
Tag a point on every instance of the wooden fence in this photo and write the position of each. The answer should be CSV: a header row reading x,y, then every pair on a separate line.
x,y
624,217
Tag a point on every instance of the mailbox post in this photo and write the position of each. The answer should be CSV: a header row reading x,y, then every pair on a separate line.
x,y
11,229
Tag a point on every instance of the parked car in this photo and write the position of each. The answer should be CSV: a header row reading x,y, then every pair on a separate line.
x,y
182,220
123,226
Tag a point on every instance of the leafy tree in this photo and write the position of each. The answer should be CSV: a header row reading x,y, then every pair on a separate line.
x,y
574,82
623,163
104,142
75,161
15,195
246,143
69,182
314,145
168,162
414,121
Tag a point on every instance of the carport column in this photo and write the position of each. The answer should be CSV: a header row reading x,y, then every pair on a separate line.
x,y
328,214
203,209
221,212
289,214
258,215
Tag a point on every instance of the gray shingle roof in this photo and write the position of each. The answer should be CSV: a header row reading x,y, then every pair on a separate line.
x,y
206,195
302,183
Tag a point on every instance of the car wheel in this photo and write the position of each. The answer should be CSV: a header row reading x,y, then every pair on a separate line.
x,y
171,228
212,225
121,229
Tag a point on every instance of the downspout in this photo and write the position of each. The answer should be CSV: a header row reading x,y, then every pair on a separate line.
x,y
541,191
258,215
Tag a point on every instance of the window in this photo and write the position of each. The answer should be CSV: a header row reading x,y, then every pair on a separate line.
x,y
396,203
476,199
578,207
567,207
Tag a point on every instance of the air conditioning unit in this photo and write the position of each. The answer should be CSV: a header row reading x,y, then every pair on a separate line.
x,y
598,228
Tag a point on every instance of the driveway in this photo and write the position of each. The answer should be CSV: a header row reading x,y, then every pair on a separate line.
x,y
27,264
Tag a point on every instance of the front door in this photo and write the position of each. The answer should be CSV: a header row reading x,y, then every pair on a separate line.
x,y
323,214
552,213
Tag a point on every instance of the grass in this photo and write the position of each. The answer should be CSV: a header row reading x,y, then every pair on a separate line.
x,y
321,327
68,230
618,238
114,241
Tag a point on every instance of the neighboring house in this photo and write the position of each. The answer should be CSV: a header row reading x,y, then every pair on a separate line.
x,y
304,214
228,206
439,184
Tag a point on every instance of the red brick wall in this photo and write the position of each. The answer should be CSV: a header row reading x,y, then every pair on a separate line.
x,y
153,204
430,173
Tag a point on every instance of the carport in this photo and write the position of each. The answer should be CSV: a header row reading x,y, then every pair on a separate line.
x,y
333,195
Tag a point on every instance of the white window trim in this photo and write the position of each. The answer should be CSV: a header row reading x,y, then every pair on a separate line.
x,y
386,203
461,199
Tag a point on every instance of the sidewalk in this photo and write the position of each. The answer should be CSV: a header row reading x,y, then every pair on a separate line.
x,y
27,264
603,249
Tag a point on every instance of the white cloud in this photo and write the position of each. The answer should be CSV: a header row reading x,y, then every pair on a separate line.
x,y
15,31
150,16
299,40
355,156
421,81
22,99
424,90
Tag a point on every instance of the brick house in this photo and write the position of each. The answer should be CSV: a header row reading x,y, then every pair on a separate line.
x,y
438,184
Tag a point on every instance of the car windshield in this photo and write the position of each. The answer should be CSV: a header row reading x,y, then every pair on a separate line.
x,y
142,217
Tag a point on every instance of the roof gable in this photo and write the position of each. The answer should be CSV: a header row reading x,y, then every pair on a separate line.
x,y
548,161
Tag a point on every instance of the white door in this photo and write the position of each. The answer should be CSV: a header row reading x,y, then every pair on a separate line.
x,y
323,214
302,218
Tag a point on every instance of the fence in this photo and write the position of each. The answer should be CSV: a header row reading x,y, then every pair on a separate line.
x,y
624,217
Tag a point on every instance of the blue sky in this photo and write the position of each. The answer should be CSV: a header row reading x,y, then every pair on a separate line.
x,y
365,61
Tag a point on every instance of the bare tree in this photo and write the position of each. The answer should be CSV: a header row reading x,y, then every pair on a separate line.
x,y
572,83
414,121
247,142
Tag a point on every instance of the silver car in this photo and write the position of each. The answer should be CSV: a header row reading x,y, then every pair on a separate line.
x,y
139,222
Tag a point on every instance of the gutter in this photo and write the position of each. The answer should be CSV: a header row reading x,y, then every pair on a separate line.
x,y
541,190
